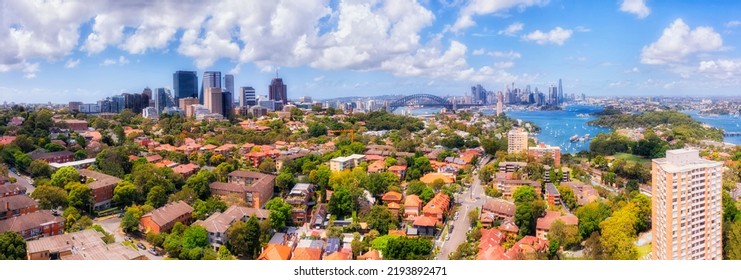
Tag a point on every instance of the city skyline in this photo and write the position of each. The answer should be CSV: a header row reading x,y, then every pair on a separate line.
x,y
75,51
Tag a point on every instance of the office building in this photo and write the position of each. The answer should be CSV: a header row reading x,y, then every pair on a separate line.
x,y
479,94
227,104
560,92
185,104
185,84
229,83
686,215
517,141
162,99
74,106
499,103
213,100
211,79
278,91
247,97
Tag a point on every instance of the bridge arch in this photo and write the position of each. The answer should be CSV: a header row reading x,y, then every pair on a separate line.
x,y
420,99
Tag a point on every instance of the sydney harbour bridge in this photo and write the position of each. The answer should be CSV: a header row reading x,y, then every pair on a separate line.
x,y
427,100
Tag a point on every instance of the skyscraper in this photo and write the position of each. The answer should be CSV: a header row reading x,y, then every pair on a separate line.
x,y
560,92
499,103
211,79
162,99
479,94
229,83
213,100
227,103
278,91
185,84
517,141
686,214
247,97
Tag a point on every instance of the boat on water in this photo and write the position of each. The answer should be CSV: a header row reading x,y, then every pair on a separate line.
x,y
582,115
574,138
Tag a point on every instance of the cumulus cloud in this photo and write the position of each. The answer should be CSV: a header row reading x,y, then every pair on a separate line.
x,y
512,29
112,61
72,63
636,7
556,36
721,68
485,7
480,51
679,41
507,55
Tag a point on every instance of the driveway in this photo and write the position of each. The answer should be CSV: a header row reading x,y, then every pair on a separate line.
x,y
113,226
23,181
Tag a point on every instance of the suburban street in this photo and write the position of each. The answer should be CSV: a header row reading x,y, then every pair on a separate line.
x,y
23,181
112,225
470,199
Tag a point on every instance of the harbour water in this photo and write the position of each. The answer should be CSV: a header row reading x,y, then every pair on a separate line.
x,y
728,123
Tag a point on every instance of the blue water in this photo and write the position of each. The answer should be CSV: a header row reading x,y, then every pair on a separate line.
x,y
728,123
557,127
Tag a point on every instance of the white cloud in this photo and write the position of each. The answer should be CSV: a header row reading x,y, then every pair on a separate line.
x,y
721,68
480,51
109,61
512,29
636,7
485,7
507,55
633,70
556,36
122,60
679,41
733,23
504,64
319,78
582,29
112,61
72,63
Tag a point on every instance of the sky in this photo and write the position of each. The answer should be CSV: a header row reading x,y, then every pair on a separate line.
x,y
60,51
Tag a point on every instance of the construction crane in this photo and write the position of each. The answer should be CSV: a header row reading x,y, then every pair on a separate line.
x,y
351,131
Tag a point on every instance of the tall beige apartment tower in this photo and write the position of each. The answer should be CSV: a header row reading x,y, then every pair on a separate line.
x,y
212,99
517,141
686,207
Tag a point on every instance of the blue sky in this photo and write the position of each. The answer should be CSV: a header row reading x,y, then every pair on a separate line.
x,y
61,51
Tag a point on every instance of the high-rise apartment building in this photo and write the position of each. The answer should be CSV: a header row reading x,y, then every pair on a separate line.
x,y
479,94
211,79
500,98
517,141
686,212
213,100
278,91
185,84
247,97
560,92
229,83
186,105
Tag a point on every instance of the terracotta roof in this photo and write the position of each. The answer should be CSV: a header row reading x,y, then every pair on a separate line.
x,y
208,147
169,212
509,227
438,204
12,188
391,196
154,158
16,202
371,255
545,222
397,168
338,256
5,140
397,232
305,253
500,206
393,205
431,177
374,158
275,252
29,221
185,168
376,166
101,179
412,201
424,221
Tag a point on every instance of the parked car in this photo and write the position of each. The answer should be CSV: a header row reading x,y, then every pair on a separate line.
x,y
447,237
141,246
152,251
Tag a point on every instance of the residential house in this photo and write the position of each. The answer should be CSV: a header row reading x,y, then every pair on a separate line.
x,y
225,149
208,148
320,217
186,170
371,255
78,164
437,207
543,224
542,151
399,170
12,189
490,245
377,166
5,140
348,162
448,178
16,205
392,200
300,198
584,193
332,246
154,158
82,245
552,195
253,187
425,225
508,186
218,223
412,206
338,256
34,225
102,187
164,218
76,125
307,254
497,209
58,157
511,166
275,252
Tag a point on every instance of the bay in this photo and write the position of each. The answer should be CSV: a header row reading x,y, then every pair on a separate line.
x,y
728,123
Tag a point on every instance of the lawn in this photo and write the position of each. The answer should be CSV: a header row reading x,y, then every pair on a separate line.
x,y
632,158
644,250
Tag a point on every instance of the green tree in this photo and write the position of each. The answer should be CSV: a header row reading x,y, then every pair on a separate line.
x,y
225,254
731,242
590,216
486,173
222,171
202,209
527,209
280,213
567,236
157,197
341,203
618,234
320,177
416,187
64,175
50,197
267,166
195,238
130,219
39,168
113,161
200,183
568,197
377,184
284,181
80,196
12,246
381,219
124,193
70,215
404,248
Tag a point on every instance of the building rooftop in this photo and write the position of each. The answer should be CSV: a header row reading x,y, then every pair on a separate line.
x,y
15,202
683,160
83,245
101,179
29,221
499,206
169,212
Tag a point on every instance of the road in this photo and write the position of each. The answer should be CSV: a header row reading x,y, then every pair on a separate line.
x,y
469,202
23,181
112,225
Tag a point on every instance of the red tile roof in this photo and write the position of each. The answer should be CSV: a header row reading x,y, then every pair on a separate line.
x,y
424,221
275,252
545,222
305,253
391,196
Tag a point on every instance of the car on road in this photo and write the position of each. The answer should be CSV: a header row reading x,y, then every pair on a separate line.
x,y
141,246
152,251
447,237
